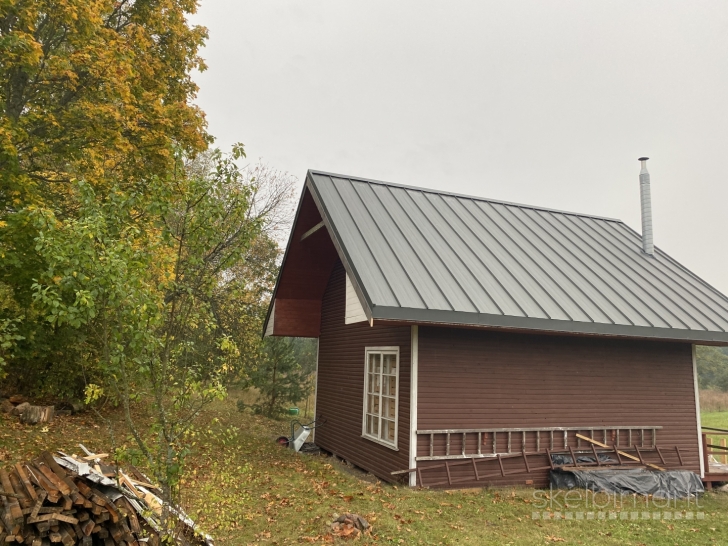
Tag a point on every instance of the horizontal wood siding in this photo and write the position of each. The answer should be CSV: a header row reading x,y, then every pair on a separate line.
x,y
296,317
480,379
354,311
340,389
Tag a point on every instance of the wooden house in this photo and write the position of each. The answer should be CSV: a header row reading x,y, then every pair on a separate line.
x,y
453,327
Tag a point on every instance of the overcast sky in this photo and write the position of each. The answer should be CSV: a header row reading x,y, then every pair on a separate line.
x,y
544,103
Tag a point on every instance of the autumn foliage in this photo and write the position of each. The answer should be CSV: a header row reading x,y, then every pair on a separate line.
x,y
98,90
135,263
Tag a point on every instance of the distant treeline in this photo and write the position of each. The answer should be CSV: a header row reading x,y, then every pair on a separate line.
x,y
713,368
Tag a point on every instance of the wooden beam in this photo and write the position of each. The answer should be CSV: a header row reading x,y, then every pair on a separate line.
x,y
313,230
622,453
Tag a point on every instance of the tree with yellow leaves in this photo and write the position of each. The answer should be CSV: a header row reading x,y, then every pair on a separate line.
x,y
97,92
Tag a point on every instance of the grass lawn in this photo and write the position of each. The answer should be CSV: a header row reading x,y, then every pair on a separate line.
x,y
243,489
716,419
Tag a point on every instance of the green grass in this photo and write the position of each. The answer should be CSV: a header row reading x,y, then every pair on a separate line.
x,y
715,419
243,489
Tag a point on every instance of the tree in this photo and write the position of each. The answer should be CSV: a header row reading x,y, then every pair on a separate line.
x,y
97,91
9,338
712,364
279,377
306,351
146,298
240,301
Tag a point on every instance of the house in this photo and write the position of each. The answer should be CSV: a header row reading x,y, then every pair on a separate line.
x,y
455,327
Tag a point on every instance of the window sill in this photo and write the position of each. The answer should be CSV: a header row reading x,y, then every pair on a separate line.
x,y
380,442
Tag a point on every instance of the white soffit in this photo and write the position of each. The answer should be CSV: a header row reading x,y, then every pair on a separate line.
x,y
269,328
354,311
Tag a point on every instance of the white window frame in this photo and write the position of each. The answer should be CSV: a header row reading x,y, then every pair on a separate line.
x,y
377,439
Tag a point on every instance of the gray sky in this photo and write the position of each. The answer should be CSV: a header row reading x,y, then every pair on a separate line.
x,y
545,103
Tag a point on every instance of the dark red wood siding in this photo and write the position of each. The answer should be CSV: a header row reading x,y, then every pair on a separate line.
x,y
305,272
480,379
340,389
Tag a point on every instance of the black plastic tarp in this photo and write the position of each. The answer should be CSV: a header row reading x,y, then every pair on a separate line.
x,y
668,484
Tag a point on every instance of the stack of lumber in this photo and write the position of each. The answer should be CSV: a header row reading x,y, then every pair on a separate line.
x,y
80,500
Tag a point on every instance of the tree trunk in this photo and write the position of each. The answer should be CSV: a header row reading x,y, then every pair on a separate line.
x,y
273,390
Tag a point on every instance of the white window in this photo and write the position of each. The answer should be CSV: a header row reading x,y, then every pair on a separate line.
x,y
381,395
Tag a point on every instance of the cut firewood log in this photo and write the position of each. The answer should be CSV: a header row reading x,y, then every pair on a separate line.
x,y
88,527
51,500
113,512
51,476
37,477
67,537
11,503
26,481
128,510
95,456
84,489
23,499
58,471
115,532
32,415
53,516
38,503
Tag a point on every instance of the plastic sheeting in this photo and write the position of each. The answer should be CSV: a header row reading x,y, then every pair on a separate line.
x,y
668,484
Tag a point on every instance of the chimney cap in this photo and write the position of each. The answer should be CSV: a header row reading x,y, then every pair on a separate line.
x,y
643,159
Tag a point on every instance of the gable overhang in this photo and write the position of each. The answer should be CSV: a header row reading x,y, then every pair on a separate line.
x,y
311,253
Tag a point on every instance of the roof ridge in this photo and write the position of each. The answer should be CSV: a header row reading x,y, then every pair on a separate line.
x,y
462,195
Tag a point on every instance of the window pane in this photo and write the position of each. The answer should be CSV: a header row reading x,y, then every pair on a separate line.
x,y
390,364
381,396
389,427
391,407
375,362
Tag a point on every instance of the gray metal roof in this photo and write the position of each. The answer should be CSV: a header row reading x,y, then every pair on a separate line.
x,y
429,256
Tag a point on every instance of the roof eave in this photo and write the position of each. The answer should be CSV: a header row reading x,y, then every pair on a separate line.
x,y
456,318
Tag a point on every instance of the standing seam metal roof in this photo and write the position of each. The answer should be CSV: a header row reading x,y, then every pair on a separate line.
x,y
426,256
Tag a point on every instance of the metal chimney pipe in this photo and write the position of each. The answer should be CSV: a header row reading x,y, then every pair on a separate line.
x,y
648,246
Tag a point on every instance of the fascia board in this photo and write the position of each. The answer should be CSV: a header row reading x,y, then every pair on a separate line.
x,y
341,249
456,318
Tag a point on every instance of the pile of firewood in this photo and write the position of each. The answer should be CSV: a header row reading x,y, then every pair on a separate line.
x,y
81,500
28,414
